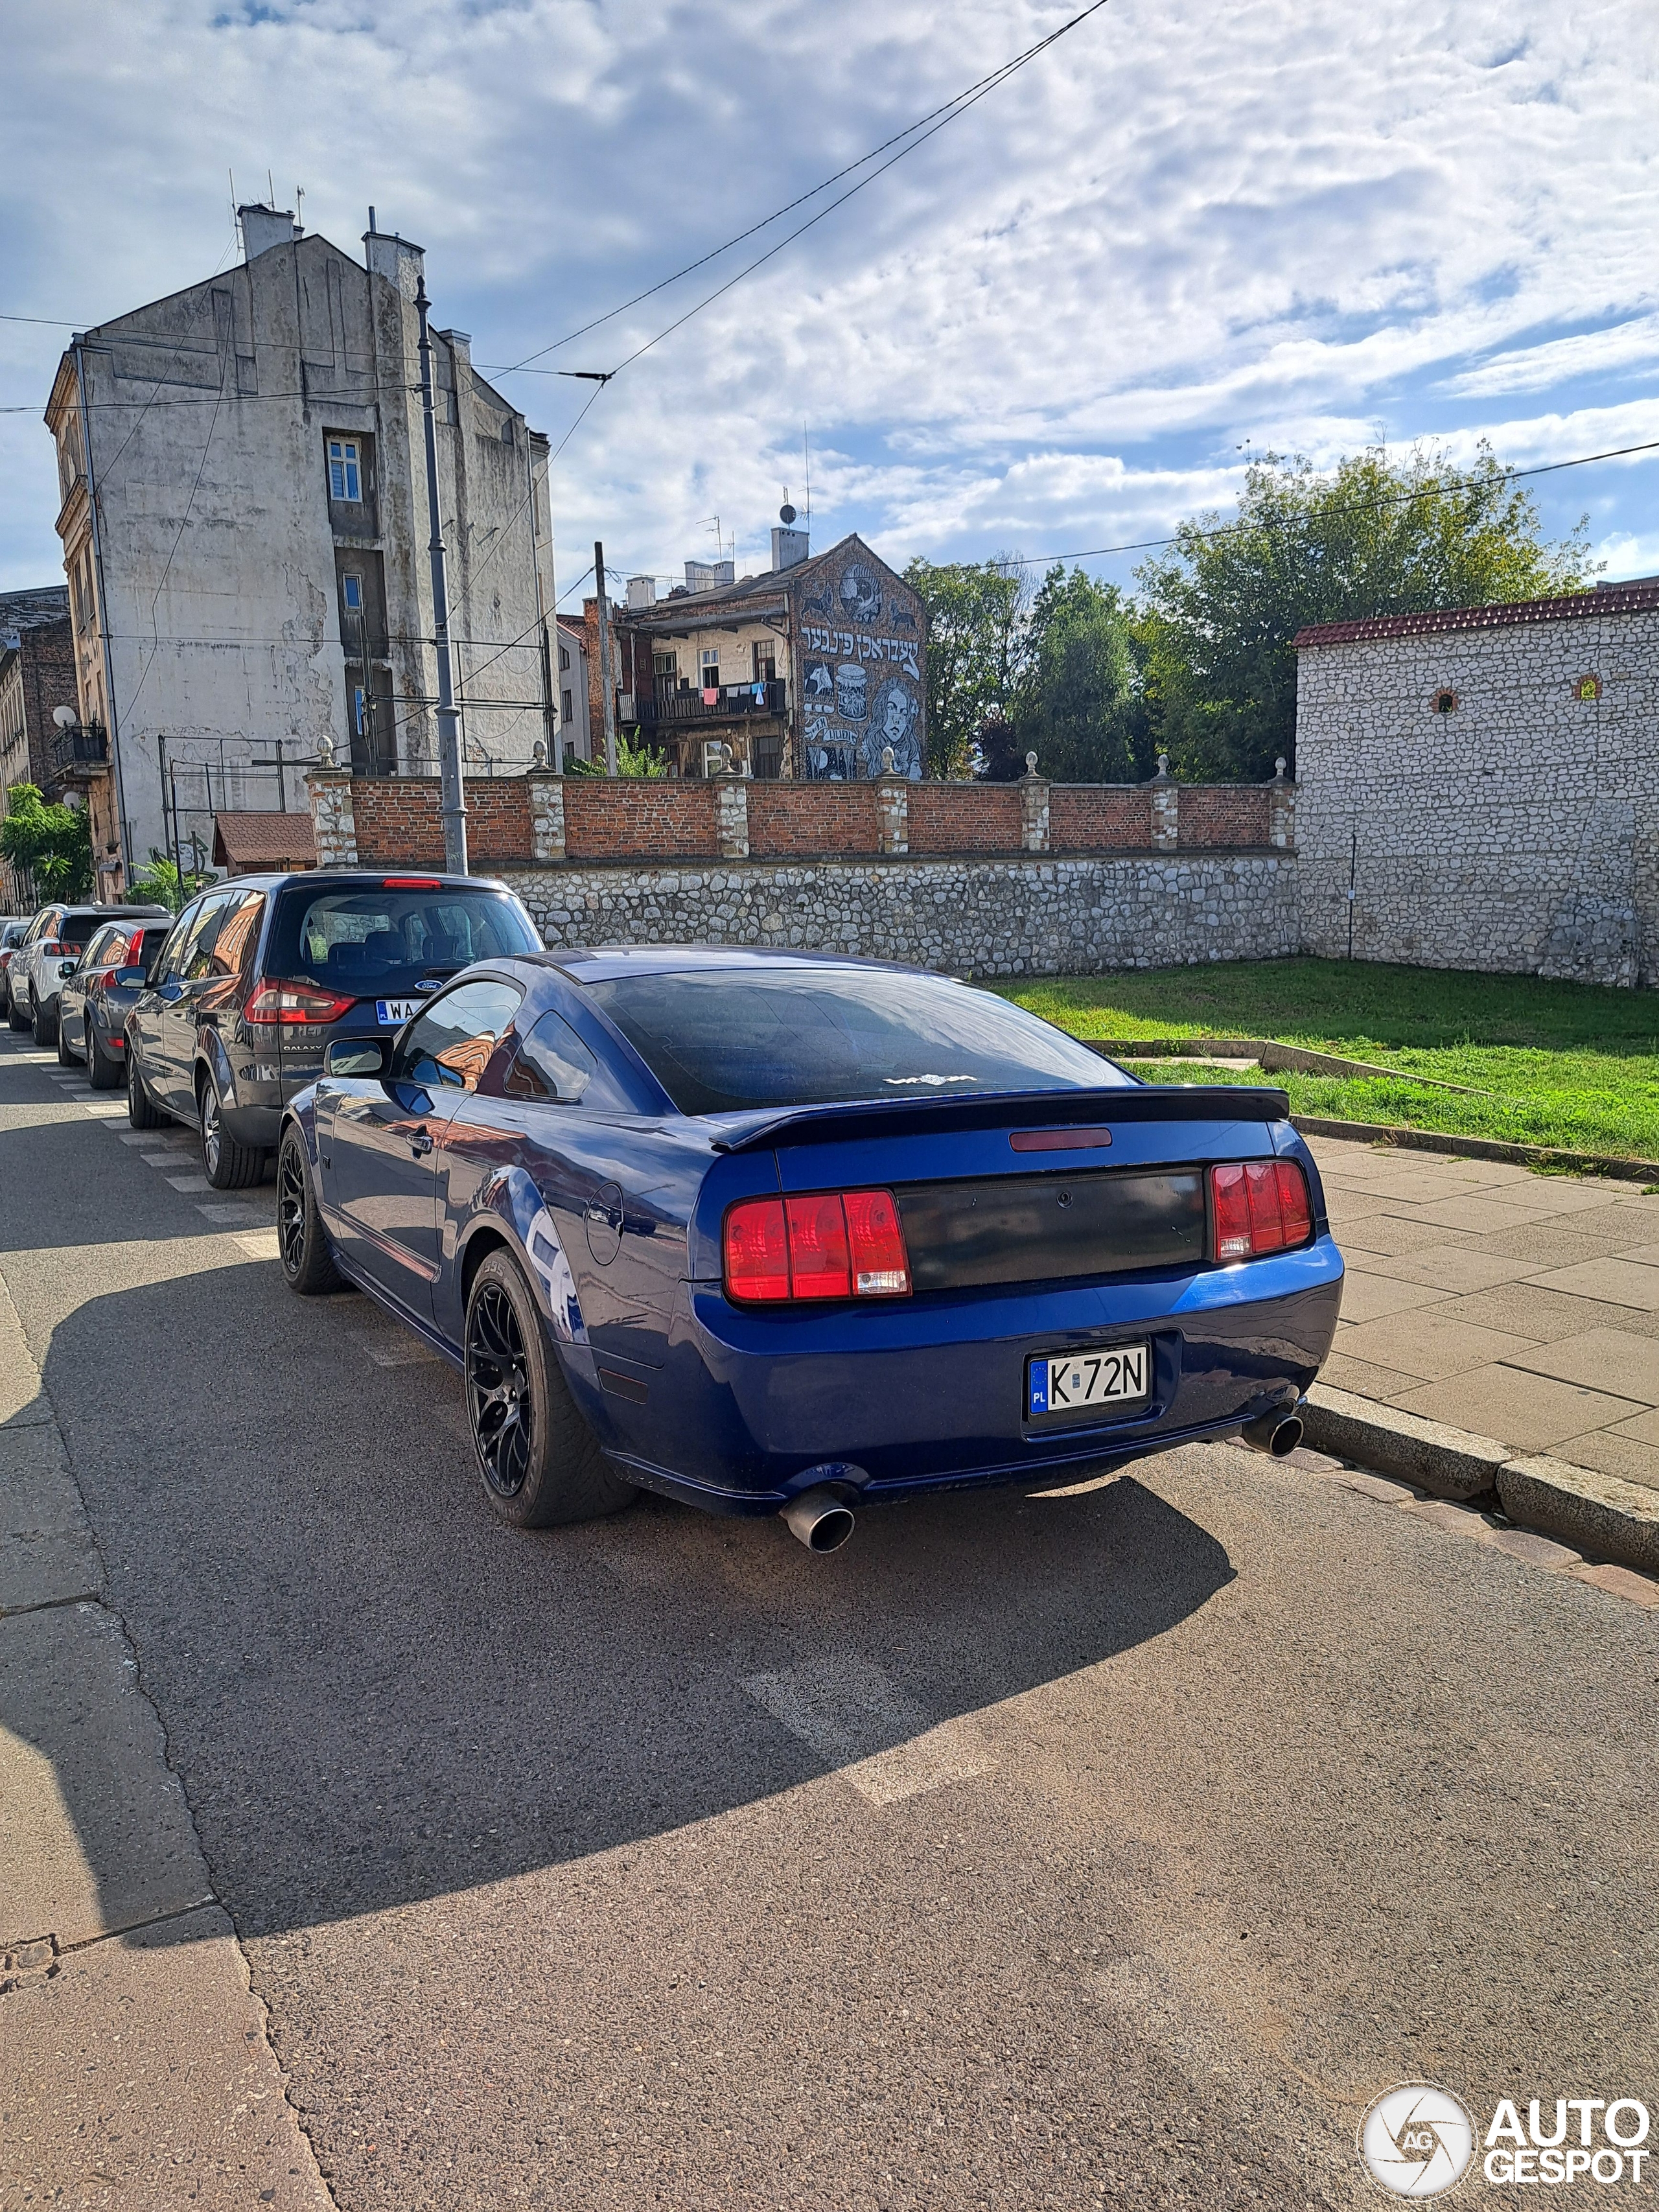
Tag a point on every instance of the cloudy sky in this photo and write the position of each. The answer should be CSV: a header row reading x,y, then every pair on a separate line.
x,y
1188,230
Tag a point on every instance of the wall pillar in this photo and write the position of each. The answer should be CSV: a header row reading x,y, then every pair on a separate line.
x,y
1166,808
732,815
333,822
546,789
1281,808
1033,809
892,807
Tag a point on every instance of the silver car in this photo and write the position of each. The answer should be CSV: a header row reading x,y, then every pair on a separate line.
x,y
53,942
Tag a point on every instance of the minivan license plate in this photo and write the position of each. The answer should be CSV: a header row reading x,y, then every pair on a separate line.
x,y
391,1013
1071,1382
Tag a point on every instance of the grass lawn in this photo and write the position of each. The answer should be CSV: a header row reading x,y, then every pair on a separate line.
x,y
1568,1065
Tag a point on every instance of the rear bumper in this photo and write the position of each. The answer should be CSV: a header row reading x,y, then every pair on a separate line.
x,y
748,1409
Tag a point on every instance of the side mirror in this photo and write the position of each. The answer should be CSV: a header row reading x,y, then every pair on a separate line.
x,y
128,979
67,967
357,1056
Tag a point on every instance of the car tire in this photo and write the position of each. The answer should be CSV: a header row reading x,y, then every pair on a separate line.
x,y
302,1245
15,1018
65,1057
45,1025
227,1164
103,1073
142,1110
540,1462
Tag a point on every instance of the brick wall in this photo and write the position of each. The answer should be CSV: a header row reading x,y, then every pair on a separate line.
x,y
786,819
398,823
647,818
1225,814
47,657
964,817
1100,818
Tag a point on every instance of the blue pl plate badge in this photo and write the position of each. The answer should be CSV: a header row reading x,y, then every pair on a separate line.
x,y
1039,1387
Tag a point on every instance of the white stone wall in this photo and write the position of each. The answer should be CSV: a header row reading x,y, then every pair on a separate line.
x,y
1015,917
1514,834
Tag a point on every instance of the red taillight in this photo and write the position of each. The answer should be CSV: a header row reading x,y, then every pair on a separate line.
x,y
756,1252
833,1244
284,1005
818,1265
412,884
1260,1206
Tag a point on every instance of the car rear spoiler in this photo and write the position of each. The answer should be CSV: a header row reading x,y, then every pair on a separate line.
x,y
1021,1109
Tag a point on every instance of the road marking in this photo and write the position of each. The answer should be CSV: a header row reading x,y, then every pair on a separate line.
x,y
190,1182
261,1245
102,1113
167,1159
401,1352
881,1742
180,1143
231,1213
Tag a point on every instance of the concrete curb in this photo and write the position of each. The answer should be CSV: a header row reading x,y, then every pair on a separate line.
x,y
1479,1148
1599,1514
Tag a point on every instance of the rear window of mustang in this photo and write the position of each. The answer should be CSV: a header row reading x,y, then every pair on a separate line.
x,y
719,1043
370,939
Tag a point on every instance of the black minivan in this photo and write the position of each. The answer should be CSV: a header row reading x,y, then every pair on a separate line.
x,y
260,973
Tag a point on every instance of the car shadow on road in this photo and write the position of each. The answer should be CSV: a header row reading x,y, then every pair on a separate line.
x,y
374,1694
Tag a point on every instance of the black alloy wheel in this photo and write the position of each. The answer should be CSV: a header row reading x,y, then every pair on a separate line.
x,y
540,1462
302,1245
228,1166
142,1110
103,1073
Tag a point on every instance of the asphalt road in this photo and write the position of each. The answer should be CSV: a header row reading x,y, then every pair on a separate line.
x,y
1029,1852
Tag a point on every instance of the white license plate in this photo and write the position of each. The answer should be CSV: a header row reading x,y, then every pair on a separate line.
x,y
1119,1374
392,1013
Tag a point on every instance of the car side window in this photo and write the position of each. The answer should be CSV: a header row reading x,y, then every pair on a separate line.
x,y
46,924
198,949
99,945
450,1044
552,1064
233,945
169,962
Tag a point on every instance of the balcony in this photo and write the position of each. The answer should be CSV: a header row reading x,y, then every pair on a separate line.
x,y
670,711
79,751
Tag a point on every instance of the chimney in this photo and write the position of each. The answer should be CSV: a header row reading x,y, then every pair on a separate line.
x,y
460,344
264,228
386,254
789,547
641,590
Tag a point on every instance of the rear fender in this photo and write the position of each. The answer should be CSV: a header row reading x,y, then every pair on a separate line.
x,y
509,1206
210,1054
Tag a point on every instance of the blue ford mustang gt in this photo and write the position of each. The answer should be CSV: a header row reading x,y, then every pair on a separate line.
x,y
772,1233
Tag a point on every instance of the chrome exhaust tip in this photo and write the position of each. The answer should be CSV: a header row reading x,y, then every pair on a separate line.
x,y
821,1519
1276,1434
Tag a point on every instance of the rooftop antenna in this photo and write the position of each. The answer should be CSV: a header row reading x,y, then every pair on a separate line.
x,y
299,207
371,221
270,187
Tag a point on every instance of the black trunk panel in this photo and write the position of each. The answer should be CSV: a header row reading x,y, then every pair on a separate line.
x,y
1050,1228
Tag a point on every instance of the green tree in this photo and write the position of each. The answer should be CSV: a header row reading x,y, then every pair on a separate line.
x,y
161,885
1373,536
976,623
52,843
1073,702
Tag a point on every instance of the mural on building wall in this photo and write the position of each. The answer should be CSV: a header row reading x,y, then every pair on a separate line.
x,y
861,680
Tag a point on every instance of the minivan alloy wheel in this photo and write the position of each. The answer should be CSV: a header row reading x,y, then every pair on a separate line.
x,y
498,1390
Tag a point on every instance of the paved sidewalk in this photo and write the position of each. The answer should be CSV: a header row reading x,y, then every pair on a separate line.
x,y
1522,1307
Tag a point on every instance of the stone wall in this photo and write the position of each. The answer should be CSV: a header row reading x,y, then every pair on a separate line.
x,y
1491,776
969,917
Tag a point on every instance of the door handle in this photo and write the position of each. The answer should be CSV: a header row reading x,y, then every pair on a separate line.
x,y
420,1142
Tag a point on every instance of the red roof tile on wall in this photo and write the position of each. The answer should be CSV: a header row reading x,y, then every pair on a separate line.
x,y
1620,599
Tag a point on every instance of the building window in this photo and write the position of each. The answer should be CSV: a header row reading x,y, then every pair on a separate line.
x,y
1444,702
766,663
564,658
359,726
344,472
565,715
1587,687
711,667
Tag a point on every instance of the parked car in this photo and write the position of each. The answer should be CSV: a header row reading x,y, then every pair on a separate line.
x,y
98,993
256,975
54,941
768,1233
12,934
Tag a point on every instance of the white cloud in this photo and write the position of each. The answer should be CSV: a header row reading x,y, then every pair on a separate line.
x,y
1303,225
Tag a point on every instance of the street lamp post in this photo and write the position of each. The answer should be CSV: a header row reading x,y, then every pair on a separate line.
x,y
451,803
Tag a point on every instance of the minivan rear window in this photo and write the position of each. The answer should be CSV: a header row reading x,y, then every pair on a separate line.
x,y
368,940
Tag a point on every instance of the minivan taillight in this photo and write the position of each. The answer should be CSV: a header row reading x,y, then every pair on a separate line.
x,y
294,1005
1259,1206
831,1245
